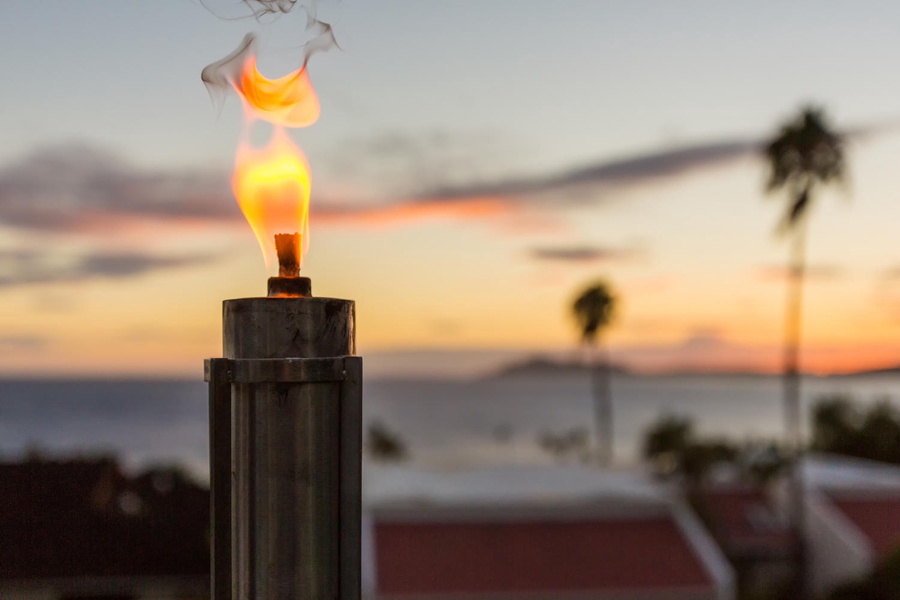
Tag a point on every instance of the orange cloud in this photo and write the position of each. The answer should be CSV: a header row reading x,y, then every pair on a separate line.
x,y
486,207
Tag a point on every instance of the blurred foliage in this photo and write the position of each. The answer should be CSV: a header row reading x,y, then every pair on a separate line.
x,y
594,309
384,445
566,445
700,457
670,434
841,426
806,153
674,450
763,461
665,441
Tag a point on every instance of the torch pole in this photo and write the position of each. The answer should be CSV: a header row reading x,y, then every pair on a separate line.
x,y
292,389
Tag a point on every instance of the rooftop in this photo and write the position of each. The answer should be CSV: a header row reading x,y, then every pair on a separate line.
x,y
523,557
386,485
877,518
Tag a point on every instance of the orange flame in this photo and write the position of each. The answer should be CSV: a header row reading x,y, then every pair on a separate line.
x,y
272,184
290,100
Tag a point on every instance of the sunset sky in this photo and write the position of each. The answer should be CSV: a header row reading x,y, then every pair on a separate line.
x,y
475,163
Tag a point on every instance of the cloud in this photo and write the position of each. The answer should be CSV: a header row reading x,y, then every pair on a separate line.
x,y
407,165
510,198
72,188
22,342
78,187
593,183
20,268
475,208
632,170
582,254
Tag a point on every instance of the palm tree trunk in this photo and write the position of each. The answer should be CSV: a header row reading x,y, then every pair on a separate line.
x,y
792,404
602,404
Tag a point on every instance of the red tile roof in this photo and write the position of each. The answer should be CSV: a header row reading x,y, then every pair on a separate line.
x,y
493,557
877,518
744,520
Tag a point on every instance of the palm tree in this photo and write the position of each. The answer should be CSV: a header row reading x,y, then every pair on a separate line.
x,y
805,156
594,310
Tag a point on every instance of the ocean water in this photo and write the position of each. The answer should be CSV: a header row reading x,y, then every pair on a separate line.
x,y
445,424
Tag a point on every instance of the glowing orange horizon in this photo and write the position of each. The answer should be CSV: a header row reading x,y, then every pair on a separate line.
x,y
815,359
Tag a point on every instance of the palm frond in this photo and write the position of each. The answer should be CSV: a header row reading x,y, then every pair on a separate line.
x,y
594,309
804,155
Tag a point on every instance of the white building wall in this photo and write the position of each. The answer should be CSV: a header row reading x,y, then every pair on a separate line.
x,y
368,558
838,552
707,551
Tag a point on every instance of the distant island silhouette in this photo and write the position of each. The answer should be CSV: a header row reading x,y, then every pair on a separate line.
x,y
547,366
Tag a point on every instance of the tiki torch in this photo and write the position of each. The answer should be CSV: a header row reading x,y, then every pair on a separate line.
x,y
286,398
285,445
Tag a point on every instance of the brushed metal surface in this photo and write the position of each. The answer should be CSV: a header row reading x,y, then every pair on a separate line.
x,y
351,480
296,447
286,496
219,478
288,328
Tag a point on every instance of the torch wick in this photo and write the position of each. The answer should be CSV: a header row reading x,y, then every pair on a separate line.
x,y
287,246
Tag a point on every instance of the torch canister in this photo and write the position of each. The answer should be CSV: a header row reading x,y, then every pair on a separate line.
x,y
285,442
